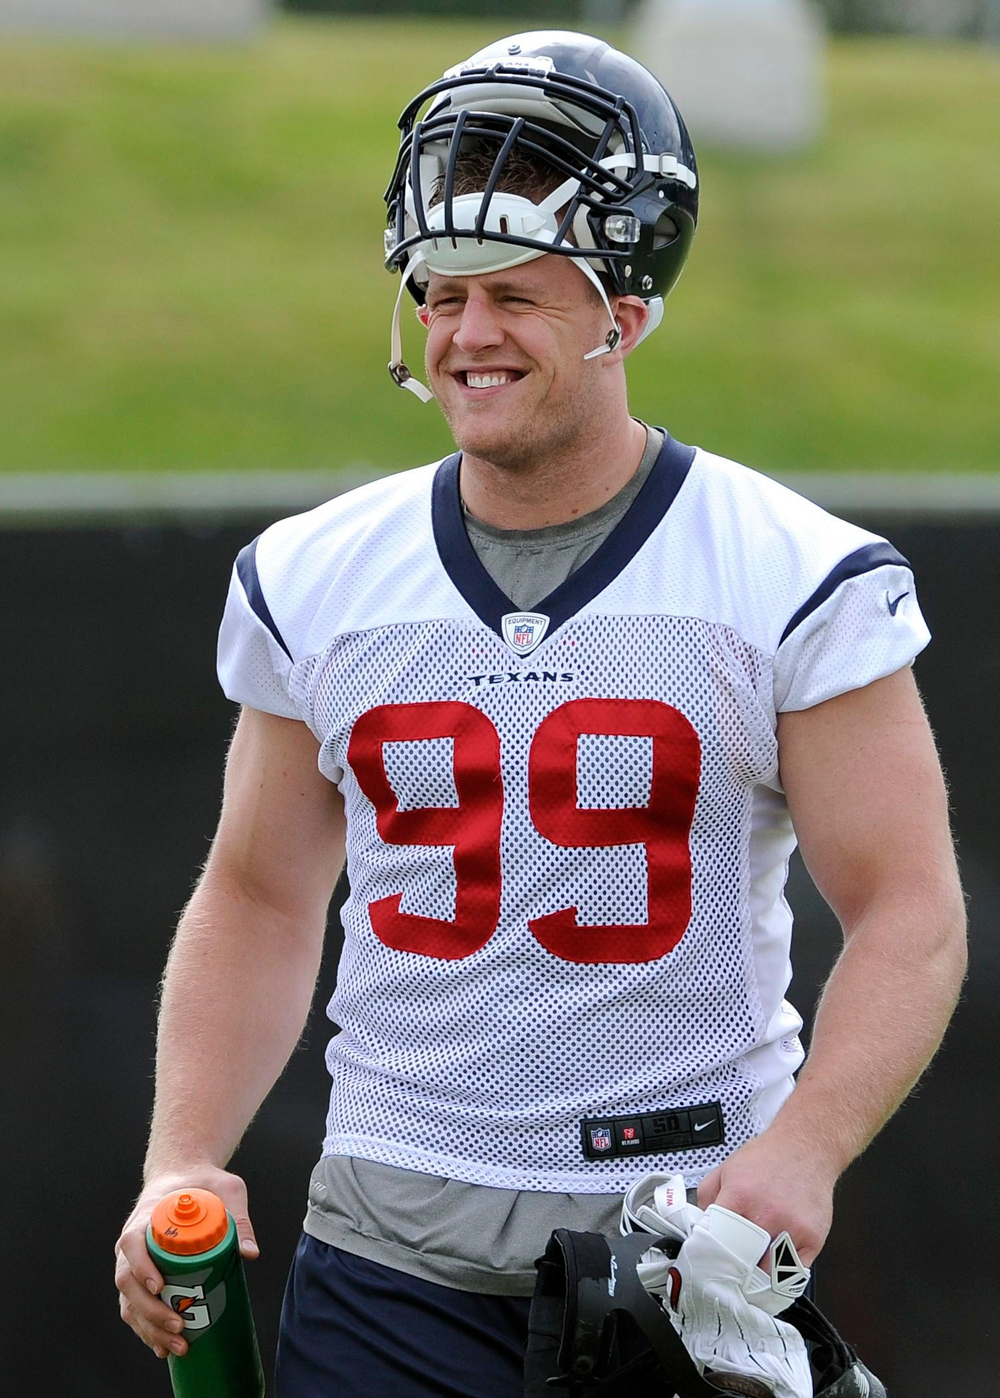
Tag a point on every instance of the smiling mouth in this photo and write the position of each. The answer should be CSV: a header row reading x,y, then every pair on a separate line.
x,y
481,381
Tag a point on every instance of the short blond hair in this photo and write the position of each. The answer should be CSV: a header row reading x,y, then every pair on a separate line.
x,y
522,174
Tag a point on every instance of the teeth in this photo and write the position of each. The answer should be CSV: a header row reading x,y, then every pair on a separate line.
x,y
486,380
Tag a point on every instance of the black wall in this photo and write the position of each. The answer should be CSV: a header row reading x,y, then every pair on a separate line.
x,y
114,736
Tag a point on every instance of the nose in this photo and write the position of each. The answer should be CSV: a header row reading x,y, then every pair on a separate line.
x,y
480,327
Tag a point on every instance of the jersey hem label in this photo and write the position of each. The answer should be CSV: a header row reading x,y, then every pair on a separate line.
x,y
654,1133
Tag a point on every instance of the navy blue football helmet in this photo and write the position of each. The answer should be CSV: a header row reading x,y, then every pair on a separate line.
x,y
624,196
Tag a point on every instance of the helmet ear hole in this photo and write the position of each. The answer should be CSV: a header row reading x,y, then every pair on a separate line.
x,y
664,232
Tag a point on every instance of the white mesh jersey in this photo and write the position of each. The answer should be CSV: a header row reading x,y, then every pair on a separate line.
x,y
566,864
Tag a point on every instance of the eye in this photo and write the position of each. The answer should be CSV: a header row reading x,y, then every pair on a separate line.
x,y
445,303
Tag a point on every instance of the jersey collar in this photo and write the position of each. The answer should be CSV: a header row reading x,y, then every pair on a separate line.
x,y
461,562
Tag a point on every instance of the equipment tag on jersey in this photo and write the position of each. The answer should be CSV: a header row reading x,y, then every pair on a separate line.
x,y
523,631
654,1133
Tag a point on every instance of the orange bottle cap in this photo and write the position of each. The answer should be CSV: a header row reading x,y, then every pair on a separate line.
x,y
189,1221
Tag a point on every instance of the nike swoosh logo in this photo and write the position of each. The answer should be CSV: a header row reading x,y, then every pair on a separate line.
x,y
893,605
703,1126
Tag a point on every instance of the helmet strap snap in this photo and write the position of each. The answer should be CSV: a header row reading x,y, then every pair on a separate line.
x,y
611,342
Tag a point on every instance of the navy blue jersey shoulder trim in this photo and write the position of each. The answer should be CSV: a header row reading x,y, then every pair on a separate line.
x,y
246,571
488,601
862,560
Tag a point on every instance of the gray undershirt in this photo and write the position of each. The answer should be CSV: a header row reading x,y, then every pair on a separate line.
x,y
528,564
472,1236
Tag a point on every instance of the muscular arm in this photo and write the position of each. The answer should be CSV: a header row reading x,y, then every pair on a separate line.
x,y
240,975
239,979
868,803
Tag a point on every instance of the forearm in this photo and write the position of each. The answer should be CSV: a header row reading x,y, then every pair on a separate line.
x,y
880,1020
236,992
869,807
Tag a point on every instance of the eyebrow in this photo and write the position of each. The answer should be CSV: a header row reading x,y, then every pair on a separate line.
x,y
447,284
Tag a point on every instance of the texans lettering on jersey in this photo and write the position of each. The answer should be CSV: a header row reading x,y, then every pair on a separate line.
x,y
566,858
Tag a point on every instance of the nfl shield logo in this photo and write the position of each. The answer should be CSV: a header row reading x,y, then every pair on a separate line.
x,y
600,1138
523,631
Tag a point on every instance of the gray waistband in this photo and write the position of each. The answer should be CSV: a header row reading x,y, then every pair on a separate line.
x,y
468,1236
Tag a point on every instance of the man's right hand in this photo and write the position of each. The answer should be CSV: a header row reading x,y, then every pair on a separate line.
x,y
136,1275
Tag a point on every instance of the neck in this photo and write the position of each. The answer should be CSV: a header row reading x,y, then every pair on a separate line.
x,y
568,482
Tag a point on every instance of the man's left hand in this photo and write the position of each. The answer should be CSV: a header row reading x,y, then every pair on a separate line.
x,y
777,1187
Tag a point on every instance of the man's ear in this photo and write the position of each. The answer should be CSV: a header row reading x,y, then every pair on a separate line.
x,y
631,313
423,315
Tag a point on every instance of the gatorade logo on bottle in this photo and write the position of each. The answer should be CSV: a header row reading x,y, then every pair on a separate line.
x,y
183,1300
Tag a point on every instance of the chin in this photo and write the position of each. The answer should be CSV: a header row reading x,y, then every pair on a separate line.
x,y
501,443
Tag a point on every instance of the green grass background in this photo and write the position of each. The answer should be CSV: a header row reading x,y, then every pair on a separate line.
x,y
190,262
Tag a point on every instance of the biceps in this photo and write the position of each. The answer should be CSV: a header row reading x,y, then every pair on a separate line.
x,y
866,794
281,832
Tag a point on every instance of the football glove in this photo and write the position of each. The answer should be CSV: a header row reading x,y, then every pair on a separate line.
x,y
725,1308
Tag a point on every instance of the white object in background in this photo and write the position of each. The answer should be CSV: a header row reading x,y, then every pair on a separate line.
x,y
171,19
745,73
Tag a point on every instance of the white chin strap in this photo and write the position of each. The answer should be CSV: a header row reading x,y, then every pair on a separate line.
x,y
401,375
509,214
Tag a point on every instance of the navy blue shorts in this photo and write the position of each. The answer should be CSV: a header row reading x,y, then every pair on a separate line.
x,y
351,1328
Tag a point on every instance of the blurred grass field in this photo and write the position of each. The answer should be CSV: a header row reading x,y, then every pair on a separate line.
x,y
190,262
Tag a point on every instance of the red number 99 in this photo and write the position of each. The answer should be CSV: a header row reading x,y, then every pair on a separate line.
x,y
472,828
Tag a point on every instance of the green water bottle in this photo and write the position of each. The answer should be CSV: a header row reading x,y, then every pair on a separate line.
x,y
192,1239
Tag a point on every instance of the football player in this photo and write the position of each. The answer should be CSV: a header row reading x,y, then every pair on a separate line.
x,y
568,698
